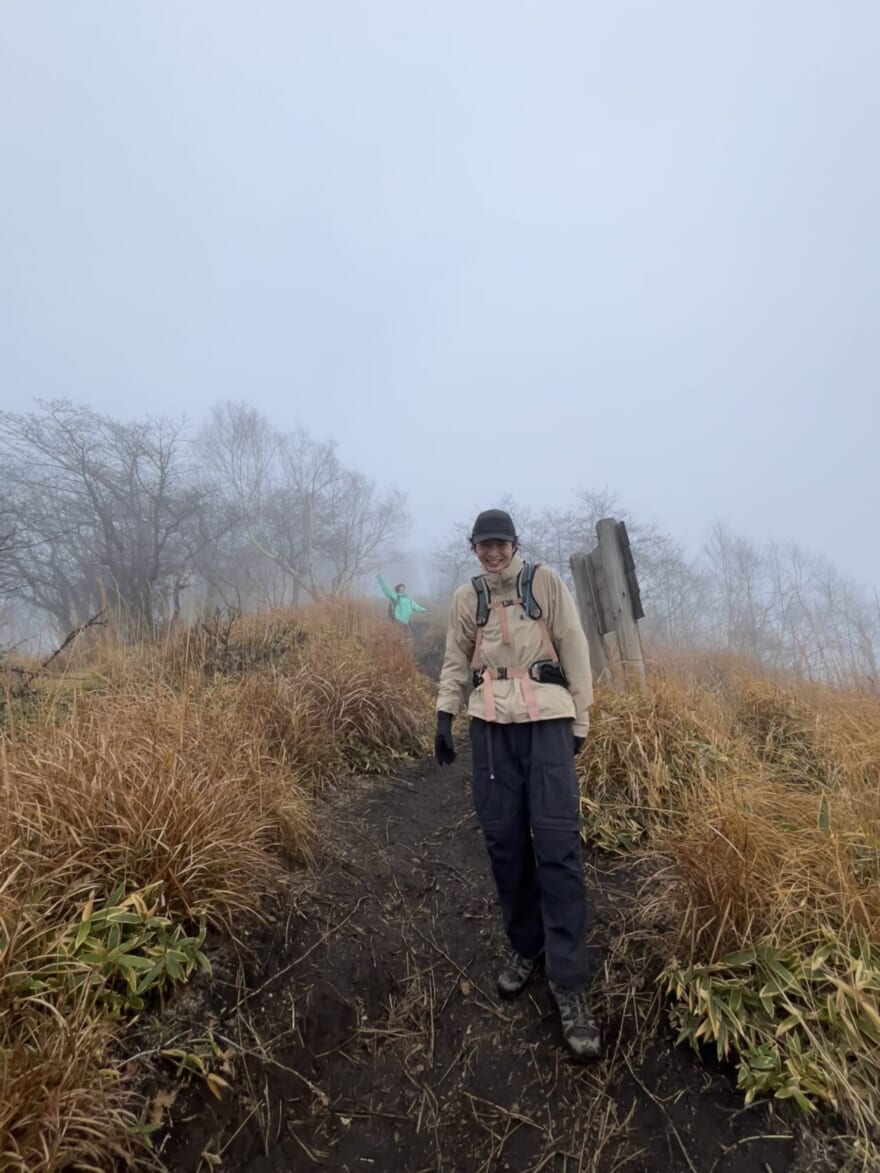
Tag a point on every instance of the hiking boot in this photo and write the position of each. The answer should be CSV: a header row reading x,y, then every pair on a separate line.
x,y
579,1028
516,973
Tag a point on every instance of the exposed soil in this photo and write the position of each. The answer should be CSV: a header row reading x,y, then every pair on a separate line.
x,y
367,1033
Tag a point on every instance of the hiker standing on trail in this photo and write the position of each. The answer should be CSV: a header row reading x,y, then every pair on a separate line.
x,y
400,606
515,636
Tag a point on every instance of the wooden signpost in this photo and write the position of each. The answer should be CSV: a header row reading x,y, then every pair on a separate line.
x,y
609,601
591,614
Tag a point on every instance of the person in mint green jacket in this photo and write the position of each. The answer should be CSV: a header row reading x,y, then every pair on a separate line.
x,y
401,607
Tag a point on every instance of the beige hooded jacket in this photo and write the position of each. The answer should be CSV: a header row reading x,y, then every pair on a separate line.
x,y
525,646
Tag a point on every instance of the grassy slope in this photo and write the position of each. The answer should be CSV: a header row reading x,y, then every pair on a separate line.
x,y
145,792
150,790
760,802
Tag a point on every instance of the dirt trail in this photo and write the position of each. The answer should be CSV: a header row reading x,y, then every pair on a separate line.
x,y
374,1039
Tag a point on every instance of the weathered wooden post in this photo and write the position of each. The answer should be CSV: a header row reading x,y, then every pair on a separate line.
x,y
591,614
622,602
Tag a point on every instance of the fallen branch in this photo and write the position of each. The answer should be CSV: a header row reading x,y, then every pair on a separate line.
x,y
26,676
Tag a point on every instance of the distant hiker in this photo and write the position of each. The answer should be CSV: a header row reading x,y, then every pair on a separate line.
x,y
515,636
401,607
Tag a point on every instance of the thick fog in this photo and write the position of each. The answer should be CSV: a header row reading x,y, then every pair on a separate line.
x,y
491,250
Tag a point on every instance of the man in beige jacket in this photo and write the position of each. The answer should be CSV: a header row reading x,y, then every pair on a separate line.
x,y
516,645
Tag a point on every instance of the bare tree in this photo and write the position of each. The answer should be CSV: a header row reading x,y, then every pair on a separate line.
x,y
240,448
675,589
102,509
7,547
299,513
452,562
311,527
238,452
362,524
554,535
738,574
791,608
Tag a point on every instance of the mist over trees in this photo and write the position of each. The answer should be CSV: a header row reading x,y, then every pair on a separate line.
x,y
779,603
302,526
149,517
155,520
674,587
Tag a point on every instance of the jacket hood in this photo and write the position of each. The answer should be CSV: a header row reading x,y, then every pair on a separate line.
x,y
507,577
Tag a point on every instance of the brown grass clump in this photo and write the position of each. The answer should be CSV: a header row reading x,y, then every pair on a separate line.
x,y
765,799
147,787
62,1104
161,787
647,752
781,724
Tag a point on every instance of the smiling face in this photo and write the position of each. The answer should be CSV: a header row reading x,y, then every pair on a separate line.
x,y
494,555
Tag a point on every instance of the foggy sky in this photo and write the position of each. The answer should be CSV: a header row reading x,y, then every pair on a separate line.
x,y
488,247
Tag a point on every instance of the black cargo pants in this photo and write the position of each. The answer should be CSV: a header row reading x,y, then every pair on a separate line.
x,y
530,815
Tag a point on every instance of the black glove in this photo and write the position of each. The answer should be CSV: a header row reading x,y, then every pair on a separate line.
x,y
578,745
444,750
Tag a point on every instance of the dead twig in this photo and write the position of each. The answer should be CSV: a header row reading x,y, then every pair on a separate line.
x,y
262,1056
662,1108
26,677
293,964
728,1149
506,1112
463,973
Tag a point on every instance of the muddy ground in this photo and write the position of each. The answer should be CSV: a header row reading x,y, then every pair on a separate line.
x,y
361,1030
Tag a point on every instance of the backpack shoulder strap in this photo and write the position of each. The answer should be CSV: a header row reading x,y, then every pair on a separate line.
x,y
483,599
531,606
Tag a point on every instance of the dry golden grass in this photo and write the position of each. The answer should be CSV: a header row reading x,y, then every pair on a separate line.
x,y
189,769
194,766
763,799
62,1103
647,750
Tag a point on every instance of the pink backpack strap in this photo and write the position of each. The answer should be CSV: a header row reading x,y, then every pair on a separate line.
x,y
528,691
488,695
476,659
501,608
526,686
